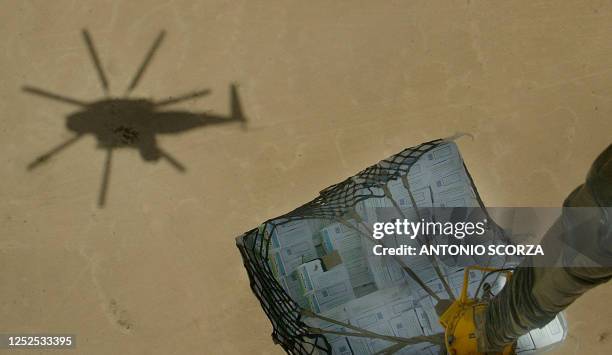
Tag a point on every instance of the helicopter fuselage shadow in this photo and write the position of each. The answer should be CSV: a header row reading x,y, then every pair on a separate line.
x,y
135,123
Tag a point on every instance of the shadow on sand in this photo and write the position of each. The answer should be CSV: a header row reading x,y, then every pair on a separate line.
x,y
124,122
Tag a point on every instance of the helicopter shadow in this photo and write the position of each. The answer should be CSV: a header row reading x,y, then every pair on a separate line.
x,y
133,123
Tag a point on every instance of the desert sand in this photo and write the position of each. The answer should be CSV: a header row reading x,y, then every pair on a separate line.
x,y
328,89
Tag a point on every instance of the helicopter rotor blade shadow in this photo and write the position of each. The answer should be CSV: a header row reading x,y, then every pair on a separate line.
x,y
55,150
172,160
146,62
52,96
96,60
189,96
105,177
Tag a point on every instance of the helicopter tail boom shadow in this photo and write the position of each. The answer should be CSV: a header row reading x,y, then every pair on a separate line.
x,y
169,122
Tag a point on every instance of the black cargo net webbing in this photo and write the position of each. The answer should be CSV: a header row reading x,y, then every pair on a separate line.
x,y
336,203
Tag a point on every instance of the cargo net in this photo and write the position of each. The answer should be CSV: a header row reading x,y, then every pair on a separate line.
x,y
299,328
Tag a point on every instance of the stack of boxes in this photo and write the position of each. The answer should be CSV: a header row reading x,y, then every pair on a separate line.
x,y
365,290
291,245
348,244
324,289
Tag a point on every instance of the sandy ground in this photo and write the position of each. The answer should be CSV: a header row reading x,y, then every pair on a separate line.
x,y
328,87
